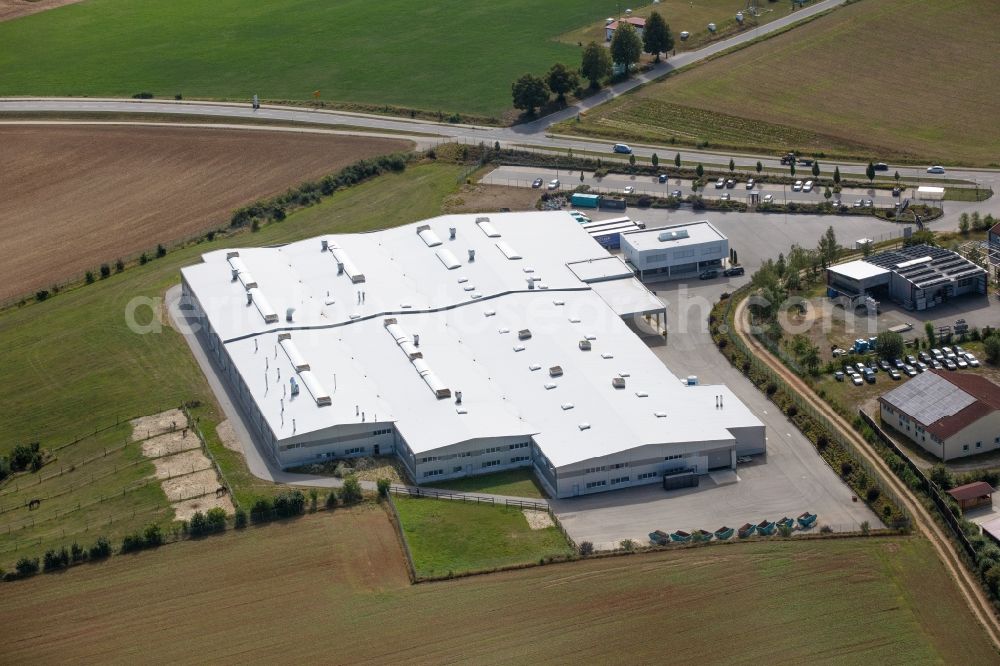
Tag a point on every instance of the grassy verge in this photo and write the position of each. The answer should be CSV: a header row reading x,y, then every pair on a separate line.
x,y
74,365
449,537
515,482
967,193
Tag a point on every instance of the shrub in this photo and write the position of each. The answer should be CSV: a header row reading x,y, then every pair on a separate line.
x,y
198,526
942,477
153,536
105,271
240,519
785,531
77,553
586,548
161,251
627,545
331,499
383,487
216,520
119,266
351,492
865,528
993,578
143,95
100,549
25,456
289,503
143,259
826,529
846,468
313,497
873,495
26,566
41,294
89,277
132,543
260,512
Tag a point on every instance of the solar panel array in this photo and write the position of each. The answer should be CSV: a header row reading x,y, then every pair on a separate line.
x,y
944,267
929,397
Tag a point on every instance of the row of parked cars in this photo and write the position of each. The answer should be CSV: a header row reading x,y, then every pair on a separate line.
x,y
951,358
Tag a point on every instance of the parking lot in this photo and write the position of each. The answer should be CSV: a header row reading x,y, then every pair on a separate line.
x,y
517,176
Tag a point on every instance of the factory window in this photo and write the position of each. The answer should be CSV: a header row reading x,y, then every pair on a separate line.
x,y
492,449
456,469
979,445
491,463
620,479
517,459
521,445
618,465
680,254
591,470
674,457
596,484
646,475
384,431
428,459
434,472
465,454
356,449
965,447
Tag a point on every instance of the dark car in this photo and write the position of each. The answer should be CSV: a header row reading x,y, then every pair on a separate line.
x,y
662,178
536,183
896,191
734,271
881,166
709,274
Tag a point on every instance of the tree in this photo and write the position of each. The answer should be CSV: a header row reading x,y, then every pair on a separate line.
x,y
699,171
240,519
626,47
581,177
529,92
791,169
677,160
929,331
561,80
383,486
655,160
815,169
991,345
198,525
760,166
828,246
889,345
596,64
941,477
963,224
656,37
870,172
827,193
732,165
897,178
836,175
351,492
810,357
631,159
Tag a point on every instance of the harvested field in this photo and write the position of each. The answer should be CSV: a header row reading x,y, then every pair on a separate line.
x,y
80,196
12,9
877,600
170,443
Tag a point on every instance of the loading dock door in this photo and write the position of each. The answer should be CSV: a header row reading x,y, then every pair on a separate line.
x,y
720,458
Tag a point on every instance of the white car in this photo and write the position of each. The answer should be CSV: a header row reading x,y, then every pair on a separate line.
x,y
797,187
719,184
629,189
935,169
971,359
750,184
768,198
808,187
856,380
554,184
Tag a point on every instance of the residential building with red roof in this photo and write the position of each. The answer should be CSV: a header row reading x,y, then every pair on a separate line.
x,y
635,21
950,414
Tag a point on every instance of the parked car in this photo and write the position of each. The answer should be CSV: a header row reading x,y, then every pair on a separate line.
x,y
910,371
859,203
725,196
750,184
839,376
896,191
768,198
536,183
961,363
898,362
733,271
870,376
731,183
881,166
860,366
948,353
921,366
936,364
805,161
719,184
554,184
971,359
797,186
950,364
662,178
856,380
894,373
808,186
869,203
958,350
677,193
621,148
629,189
884,364
924,356
935,169
837,351
911,359
937,353
837,203
709,274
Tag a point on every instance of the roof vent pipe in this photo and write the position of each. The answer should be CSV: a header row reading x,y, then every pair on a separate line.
x,y
451,232
288,314
472,255
531,283
340,268
236,275
416,339
325,245
458,397
249,298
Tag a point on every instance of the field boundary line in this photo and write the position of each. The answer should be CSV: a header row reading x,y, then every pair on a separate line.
x,y
397,525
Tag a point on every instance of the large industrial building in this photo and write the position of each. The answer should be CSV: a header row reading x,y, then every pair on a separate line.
x,y
949,414
464,345
675,252
917,277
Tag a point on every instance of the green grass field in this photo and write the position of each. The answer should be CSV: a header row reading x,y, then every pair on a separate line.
x,y
515,483
891,80
448,55
73,366
337,583
447,536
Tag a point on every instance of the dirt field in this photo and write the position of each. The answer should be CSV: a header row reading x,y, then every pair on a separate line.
x,y
79,196
537,520
485,198
169,421
12,9
170,443
324,577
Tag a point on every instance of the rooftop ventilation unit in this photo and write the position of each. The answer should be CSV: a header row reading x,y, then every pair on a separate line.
x,y
534,366
458,397
447,258
472,255
660,415
641,394
584,426
502,330
236,275
340,268
489,313
566,406
324,245
451,232
555,371
618,382
428,236
295,385
508,251
558,302
524,334
249,298
549,386
607,355
289,313
584,345
531,284
518,348
487,227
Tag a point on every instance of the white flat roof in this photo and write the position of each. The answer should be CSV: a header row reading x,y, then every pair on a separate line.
x,y
374,372
696,233
858,270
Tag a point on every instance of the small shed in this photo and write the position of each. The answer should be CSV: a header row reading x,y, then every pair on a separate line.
x,y
972,495
930,193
